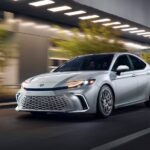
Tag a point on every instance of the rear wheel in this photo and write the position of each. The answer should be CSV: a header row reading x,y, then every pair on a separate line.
x,y
105,102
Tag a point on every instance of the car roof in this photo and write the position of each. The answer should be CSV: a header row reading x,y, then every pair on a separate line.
x,y
111,53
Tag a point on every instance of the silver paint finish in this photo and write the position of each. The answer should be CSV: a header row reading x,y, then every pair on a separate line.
x,y
129,87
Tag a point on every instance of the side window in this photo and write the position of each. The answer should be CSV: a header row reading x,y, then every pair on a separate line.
x,y
122,60
137,63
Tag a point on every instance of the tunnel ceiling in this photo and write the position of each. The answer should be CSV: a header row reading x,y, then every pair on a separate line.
x,y
22,7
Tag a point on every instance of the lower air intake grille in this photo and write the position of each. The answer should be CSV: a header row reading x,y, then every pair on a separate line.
x,y
54,103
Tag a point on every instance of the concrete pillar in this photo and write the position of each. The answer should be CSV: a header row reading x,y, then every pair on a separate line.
x,y
33,55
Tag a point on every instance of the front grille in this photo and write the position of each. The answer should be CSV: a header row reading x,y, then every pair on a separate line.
x,y
53,103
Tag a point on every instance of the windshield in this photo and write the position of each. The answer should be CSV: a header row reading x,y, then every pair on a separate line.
x,y
87,63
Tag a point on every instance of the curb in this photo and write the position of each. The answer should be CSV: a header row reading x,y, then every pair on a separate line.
x,y
8,105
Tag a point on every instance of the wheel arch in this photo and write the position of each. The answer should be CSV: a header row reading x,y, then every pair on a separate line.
x,y
111,90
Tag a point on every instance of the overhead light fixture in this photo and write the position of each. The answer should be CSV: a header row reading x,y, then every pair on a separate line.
x,y
135,45
88,17
101,20
121,26
41,3
60,8
111,23
143,33
138,31
73,13
130,29
147,35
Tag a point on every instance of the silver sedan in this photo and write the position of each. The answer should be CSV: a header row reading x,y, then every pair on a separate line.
x,y
96,83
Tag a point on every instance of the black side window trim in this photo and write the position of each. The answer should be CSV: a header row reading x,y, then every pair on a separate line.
x,y
132,66
129,57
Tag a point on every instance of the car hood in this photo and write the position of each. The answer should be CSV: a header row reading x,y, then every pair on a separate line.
x,y
59,79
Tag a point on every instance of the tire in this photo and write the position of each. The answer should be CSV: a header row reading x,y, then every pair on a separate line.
x,y
105,102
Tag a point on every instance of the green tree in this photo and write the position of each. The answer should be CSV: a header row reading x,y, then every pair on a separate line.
x,y
90,38
146,56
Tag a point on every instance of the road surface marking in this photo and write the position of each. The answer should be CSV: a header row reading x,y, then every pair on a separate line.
x,y
123,140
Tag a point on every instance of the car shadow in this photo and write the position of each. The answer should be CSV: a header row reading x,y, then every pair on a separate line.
x,y
59,117
129,109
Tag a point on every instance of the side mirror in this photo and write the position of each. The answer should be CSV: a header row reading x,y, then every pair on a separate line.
x,y
122,68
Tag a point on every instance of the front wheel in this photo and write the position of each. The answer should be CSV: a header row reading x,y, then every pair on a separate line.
x,y
105,102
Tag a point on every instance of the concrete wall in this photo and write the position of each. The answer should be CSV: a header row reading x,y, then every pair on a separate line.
x,y
33,55
134,10
33,50
11,72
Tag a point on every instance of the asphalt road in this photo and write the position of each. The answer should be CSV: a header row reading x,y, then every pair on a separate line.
x,y
76,132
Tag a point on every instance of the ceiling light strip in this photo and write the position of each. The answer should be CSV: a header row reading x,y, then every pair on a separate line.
x,y
41,3
121,26
111,23
130,29
143,33
88,17
60,8
73,13
101,20
138,31
147,35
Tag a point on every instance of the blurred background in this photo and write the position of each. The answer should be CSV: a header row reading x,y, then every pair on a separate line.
x,y
38,36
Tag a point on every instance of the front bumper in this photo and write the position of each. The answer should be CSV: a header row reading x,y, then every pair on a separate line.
x,y
51,102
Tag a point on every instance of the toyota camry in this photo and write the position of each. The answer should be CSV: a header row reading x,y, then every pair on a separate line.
x,y
95,83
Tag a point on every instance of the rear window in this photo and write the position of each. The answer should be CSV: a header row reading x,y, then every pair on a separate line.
x,y
137,63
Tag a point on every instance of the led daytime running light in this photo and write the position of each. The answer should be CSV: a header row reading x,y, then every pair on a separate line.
x,y
73,84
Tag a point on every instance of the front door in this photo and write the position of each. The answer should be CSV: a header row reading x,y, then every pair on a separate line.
x,y
125,83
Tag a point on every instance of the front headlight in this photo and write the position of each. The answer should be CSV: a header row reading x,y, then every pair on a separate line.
x,y
78,83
